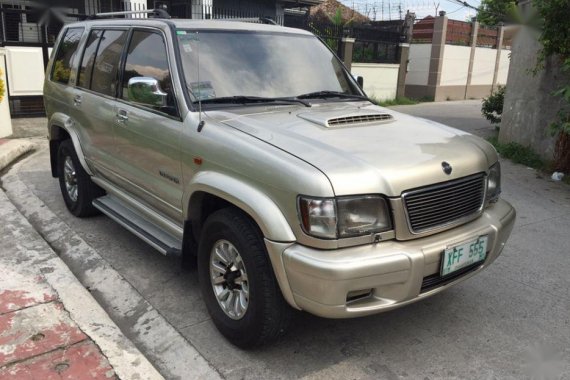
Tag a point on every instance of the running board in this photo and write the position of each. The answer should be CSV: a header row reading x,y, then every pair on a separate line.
x,y
153,235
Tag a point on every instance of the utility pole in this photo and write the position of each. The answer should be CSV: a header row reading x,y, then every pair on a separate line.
x,y
382,10
390,10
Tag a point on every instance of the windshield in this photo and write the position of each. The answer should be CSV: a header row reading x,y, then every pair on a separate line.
x,y
259,64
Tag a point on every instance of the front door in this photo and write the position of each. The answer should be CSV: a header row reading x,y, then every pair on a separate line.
x,y
148,134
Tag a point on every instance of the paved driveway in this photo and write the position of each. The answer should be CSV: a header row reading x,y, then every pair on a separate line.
x,y
512,321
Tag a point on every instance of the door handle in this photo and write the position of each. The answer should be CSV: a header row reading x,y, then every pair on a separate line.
x,y
122,116
77,100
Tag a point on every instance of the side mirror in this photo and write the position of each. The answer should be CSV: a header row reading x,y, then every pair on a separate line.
x,y
360,81
146,91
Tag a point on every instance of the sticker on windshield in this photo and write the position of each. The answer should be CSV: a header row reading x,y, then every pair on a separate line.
x,y
180,32
186,47
202,90
187,36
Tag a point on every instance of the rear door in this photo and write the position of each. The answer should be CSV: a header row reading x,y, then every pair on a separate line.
x,y
94,96
147,137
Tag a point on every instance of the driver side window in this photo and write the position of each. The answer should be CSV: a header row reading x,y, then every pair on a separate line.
x,y
146,57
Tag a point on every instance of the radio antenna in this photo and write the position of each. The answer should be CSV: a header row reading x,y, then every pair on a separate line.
x,y
201,122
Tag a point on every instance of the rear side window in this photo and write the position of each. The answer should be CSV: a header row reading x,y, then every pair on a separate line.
x,y
147,57
66,51
106,68
86,67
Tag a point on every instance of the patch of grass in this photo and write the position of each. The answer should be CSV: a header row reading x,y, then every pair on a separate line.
x,y
519,154
402,101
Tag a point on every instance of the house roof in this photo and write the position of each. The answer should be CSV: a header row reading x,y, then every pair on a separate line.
x,y
329,8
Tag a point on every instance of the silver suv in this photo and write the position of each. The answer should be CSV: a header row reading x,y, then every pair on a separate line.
x,y
251,148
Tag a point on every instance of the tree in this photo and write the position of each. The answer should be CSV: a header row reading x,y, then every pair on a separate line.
x,y
555,39
493,12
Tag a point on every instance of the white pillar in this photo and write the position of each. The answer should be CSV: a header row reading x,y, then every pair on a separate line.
x,y
5,119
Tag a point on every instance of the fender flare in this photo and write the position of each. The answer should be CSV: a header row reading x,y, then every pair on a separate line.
x,y
60,120
255,203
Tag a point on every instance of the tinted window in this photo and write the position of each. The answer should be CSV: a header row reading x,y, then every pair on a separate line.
x,y
106,68
147,58
86,66
67,49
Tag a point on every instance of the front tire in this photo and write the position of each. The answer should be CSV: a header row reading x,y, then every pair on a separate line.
x,y
76,186
237,281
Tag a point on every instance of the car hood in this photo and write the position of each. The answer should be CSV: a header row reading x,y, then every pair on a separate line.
x,y
362,148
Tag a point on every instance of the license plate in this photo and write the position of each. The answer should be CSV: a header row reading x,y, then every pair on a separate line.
x,y
463,255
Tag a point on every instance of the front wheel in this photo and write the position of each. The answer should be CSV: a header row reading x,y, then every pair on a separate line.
x,y
237,281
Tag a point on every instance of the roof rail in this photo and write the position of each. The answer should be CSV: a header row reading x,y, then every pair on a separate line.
x,y
262,20
153,13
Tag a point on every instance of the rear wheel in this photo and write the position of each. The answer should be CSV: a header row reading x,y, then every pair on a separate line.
x,y
76,186
237,281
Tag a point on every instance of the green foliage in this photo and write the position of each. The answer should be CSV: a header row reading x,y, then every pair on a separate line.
x,y
60,72
493,12
492,107
519,154
2,87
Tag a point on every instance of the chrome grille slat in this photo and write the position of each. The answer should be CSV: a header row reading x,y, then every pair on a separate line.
x,y
420,204
444,204
358,119
445,192
444,209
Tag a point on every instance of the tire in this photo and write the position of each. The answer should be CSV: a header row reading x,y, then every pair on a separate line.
x,y
78,202
267,314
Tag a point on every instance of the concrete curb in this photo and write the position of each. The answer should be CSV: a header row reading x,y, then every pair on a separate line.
x,y
126,360
10,150
165,347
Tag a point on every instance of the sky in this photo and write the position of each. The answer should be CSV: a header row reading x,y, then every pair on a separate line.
x,y
422,8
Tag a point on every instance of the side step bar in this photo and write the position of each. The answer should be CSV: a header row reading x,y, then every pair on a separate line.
x,y
156,237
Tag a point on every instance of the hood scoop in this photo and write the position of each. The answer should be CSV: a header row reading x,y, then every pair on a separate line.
x,y
356,119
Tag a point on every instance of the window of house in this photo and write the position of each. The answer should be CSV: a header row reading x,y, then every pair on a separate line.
x,y
104,78
86,67
61,71
147,57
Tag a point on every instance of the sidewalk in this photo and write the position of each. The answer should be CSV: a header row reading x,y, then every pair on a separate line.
x,y
50,325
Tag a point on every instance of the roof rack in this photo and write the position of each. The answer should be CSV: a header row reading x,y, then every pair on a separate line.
x,y
153,13
262,20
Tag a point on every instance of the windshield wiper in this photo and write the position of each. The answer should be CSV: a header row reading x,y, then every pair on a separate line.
x,y
330,94
242,99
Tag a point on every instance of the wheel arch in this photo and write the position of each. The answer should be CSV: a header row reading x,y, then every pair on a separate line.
x,y
208,191
60,128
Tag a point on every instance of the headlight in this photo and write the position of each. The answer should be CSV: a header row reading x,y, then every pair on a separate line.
x,y
494,183
344,217
318,217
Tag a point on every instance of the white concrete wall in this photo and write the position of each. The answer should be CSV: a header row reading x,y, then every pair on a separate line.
x,y
5,120
484,66
25,70
455,65
418,67
504,65
380,80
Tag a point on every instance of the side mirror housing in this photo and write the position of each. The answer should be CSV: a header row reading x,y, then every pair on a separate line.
x,y
146,91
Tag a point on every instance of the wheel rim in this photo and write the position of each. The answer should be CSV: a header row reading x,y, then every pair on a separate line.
x,y
70,178
229,279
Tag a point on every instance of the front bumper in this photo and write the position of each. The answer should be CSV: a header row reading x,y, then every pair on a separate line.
x,y
363,280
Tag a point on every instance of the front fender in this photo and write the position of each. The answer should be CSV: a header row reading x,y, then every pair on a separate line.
x,y
60,120
258,205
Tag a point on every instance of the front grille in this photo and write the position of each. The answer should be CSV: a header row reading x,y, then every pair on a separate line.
x,y
436,281
444,204
358,119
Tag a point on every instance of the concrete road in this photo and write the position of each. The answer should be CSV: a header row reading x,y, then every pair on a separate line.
x,y
512,321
